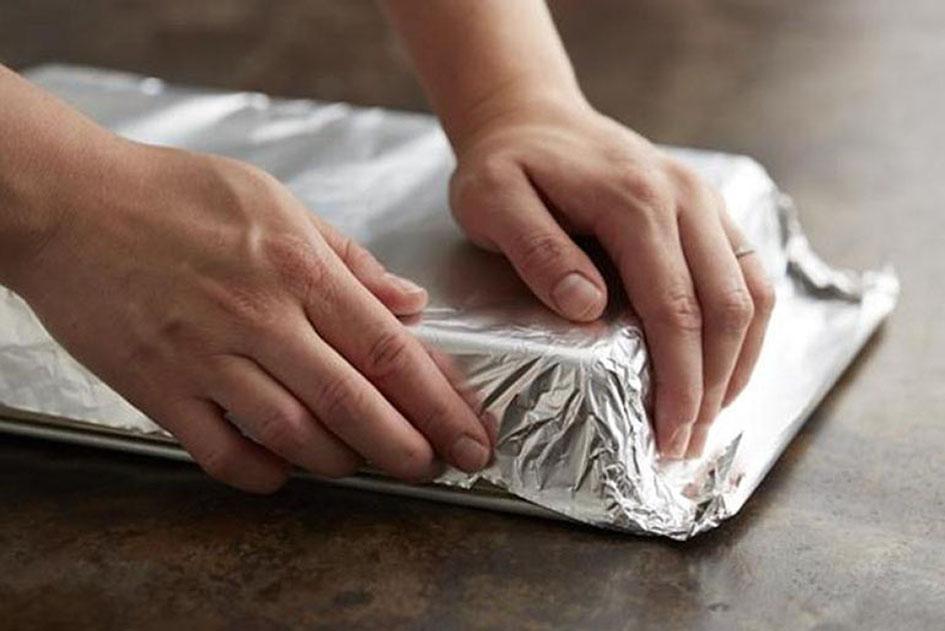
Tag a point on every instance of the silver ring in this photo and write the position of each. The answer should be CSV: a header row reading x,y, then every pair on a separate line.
x,y
743,250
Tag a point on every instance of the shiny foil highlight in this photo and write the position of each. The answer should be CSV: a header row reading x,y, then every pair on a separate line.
x,y
571,400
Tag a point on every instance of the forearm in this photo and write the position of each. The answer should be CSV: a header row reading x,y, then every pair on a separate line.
x,y
476,57
50,155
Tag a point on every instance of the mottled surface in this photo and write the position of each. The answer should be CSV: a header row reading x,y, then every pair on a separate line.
x,y
842,100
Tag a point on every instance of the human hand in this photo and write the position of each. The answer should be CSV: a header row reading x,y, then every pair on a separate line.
x,y
201,290
533,170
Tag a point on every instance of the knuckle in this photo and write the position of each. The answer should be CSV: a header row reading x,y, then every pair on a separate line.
x,y
764,297
245,305
255,179
261,187
689,399
680,310
689,182
296,263
354,256
685,400
280,427
473,189
388,354
144,351
716,198
244,184
646,188
358,259
347,249
336,398
491,175
176,329
703,424
733,313
539,252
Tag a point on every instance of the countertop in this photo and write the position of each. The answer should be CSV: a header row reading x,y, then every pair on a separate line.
x,y
841,100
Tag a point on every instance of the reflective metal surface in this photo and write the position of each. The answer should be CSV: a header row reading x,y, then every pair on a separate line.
x,y
570,399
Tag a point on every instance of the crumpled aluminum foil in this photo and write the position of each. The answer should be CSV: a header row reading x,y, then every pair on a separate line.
x,y
574,435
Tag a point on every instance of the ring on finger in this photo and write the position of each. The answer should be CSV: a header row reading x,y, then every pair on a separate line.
x,y
743,250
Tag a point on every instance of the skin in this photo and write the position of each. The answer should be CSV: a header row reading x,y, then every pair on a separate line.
x,y
202,291
537,164
232,298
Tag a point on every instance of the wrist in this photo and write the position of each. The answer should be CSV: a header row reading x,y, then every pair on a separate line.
x,y
515,102
41,198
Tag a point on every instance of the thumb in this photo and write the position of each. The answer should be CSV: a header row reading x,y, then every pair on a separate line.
x,y
517,223
402,296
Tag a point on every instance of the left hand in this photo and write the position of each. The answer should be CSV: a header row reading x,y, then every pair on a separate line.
x,y
535,171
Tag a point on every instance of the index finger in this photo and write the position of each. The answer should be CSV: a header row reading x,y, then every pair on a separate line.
x,y
358,326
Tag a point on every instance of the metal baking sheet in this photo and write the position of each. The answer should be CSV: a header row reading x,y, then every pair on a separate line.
x,y
574,436
483,495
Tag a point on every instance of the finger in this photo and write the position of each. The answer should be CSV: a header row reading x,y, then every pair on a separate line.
x,y
401,295
384,352
271,416
221,451
763,297
470,395
648,254
727,307
513,219
345,402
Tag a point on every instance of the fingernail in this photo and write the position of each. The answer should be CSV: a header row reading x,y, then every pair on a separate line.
x,y
576,296
469,454
407,285
678,442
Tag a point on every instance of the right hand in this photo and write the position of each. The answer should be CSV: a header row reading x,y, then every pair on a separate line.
x,y
203,292
537,170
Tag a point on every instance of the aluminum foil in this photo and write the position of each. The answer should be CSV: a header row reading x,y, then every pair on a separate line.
x,y
574,435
